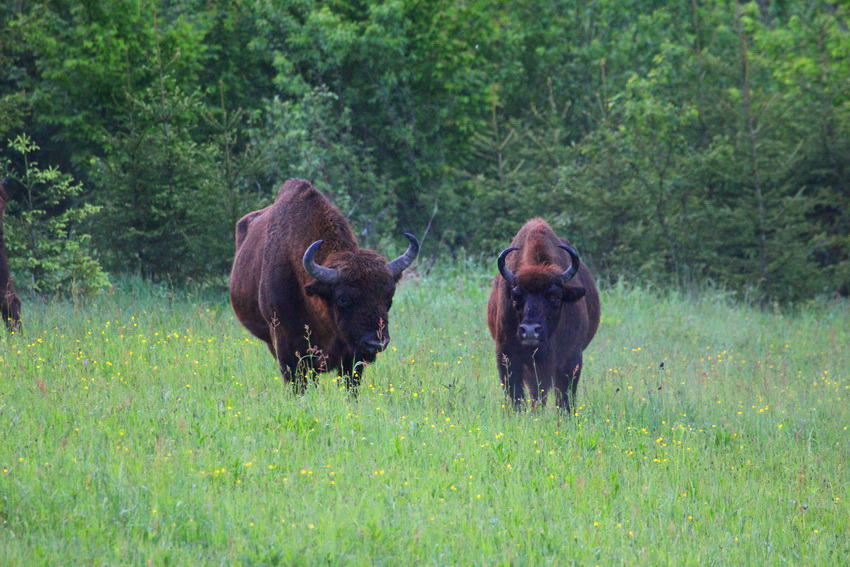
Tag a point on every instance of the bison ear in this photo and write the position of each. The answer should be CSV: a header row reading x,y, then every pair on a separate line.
x,y
572,294
319,288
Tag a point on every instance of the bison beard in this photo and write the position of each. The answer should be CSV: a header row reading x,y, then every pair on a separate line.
x,y
302,284
543,311
10,305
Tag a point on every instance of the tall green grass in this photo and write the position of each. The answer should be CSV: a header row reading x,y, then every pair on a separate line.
x,y
147,427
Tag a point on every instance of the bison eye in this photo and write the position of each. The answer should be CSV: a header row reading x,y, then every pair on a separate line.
x,y
517,295
342,302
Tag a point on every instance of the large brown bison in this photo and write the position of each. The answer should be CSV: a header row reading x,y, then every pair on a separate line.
x,y
302,284
543,312
10,305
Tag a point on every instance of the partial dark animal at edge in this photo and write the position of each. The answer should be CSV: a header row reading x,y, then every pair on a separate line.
x,y
301,283
543,311
10,304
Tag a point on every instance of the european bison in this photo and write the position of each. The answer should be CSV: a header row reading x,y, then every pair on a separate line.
x,y
302,284
10,305
543,312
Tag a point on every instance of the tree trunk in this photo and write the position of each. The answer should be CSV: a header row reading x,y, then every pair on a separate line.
x,y
753,146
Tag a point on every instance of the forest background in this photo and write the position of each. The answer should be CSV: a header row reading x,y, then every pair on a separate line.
x,y
693,143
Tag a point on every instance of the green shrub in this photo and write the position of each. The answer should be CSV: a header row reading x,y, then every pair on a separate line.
x,y
43,232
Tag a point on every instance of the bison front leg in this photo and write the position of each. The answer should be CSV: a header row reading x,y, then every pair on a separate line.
x,y
286,358
511,379
567,384
292,374
538,382
10,307
352,373
539,375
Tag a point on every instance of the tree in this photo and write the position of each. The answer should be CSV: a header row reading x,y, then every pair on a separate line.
x,y
166,215
43,233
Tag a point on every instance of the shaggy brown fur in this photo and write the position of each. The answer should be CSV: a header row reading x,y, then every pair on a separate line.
x,y
10,304
567,316
306,322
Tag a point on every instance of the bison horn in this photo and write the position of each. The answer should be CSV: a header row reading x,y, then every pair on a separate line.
x,y
401,263
322,274
503,269
573,269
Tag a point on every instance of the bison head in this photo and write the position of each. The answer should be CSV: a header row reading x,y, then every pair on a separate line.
x,y
358,288
538,292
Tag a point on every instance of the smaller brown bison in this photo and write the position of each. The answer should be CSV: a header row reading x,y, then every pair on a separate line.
x,y
10,305
302,284
543,312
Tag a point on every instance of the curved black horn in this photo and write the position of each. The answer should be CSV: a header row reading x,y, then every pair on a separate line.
x,y
324,275
503,269
401,263
573,269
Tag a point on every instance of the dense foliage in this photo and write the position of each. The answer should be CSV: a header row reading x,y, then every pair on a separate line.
x,y
671,141
54,256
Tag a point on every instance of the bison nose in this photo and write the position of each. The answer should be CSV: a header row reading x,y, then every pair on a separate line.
x,y
374,344
529,332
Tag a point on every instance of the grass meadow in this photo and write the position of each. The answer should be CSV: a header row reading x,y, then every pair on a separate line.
x,y
147,427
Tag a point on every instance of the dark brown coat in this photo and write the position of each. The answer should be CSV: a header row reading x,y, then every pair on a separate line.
x,y
10,304
334,317
540,321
